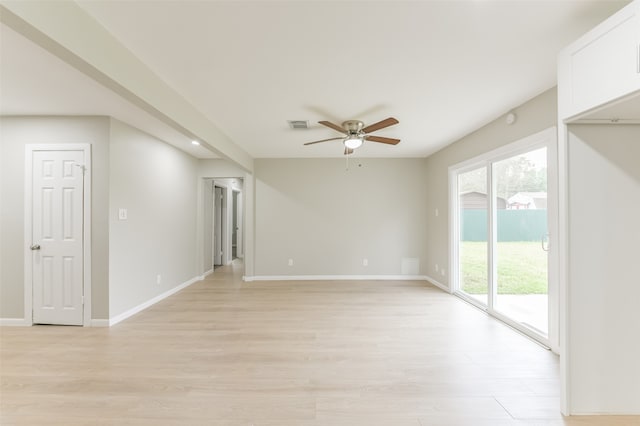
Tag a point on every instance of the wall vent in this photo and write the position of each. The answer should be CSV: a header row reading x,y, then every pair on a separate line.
x,y
298,124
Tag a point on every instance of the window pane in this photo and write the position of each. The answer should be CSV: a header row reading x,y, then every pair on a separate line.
x,y
473,204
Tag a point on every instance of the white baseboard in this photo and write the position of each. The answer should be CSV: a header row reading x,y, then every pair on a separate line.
x,y
334,277
99,323
206,274
128,313
438,284
14,322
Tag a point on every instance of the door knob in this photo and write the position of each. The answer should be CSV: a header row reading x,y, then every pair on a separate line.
x,y
35,247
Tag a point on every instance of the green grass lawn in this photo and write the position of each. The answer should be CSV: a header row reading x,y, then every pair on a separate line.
x,y
522,267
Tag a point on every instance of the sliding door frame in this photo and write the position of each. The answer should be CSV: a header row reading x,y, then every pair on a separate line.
x,y
546,138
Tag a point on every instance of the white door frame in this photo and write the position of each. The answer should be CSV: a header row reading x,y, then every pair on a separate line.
x,y
28,229
546,138
239,223
218,217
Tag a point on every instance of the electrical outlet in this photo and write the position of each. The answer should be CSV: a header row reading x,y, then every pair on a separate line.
x,y
365,262
437,267
437,212
290,262
442,271
158,279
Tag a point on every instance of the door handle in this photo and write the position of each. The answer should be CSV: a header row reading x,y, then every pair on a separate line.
x,y
35,247
545,242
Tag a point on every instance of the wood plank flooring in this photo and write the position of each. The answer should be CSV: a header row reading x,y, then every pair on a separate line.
x,y
224,352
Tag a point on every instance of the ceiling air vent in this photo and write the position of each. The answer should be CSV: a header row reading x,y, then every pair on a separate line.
x,y
298,124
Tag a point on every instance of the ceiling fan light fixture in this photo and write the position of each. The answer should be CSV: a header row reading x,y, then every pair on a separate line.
x,y
353,141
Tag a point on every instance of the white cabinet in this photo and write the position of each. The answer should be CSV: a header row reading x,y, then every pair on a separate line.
x,y
603,65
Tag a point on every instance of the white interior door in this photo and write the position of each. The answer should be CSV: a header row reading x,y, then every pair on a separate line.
x,y
57,237
239,230
217,226
234,225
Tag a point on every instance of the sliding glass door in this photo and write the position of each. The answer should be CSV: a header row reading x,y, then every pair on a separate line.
x,y
473,207
500,245
521,244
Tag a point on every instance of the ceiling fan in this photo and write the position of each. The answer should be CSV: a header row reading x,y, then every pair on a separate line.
x,y
356,133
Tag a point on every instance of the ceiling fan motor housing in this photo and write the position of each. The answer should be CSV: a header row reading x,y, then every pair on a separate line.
x,y
354,127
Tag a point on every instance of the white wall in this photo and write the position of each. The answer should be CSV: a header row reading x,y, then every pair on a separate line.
x,y
532,117
604,235
158,185
328,219
15,133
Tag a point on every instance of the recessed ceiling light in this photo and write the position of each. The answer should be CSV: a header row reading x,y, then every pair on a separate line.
x,y
195,143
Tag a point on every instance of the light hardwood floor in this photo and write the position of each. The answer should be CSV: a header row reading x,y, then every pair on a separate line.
x,y
224,352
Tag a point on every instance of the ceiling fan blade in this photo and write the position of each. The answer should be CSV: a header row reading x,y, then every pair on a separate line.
x,y
389,141
333,126
348,151
323,140
380,125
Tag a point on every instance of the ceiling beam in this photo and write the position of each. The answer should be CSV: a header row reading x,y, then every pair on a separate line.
x,y
70,33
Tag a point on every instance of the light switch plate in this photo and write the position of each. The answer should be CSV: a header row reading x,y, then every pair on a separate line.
x,y
122,214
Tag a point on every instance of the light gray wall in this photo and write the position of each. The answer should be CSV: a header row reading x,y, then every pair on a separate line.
x,y
15,133
534,116
327,219
604,231
157,184
219,169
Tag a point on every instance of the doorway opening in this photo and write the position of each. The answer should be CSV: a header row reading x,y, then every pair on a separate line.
x,y
223,221
219,228
235,226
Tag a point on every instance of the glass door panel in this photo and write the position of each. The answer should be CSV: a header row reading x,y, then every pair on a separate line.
x,y
521,248
473,245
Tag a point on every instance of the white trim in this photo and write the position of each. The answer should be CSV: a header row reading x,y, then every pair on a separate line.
x,y
227,221
99,323
507,150
239,222
554,228
28,235
206,274
88,167
336,278
141,307
438,284
28,214
564,341
14,322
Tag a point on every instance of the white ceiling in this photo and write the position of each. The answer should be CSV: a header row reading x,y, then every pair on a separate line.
x,y
35,82
442,68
